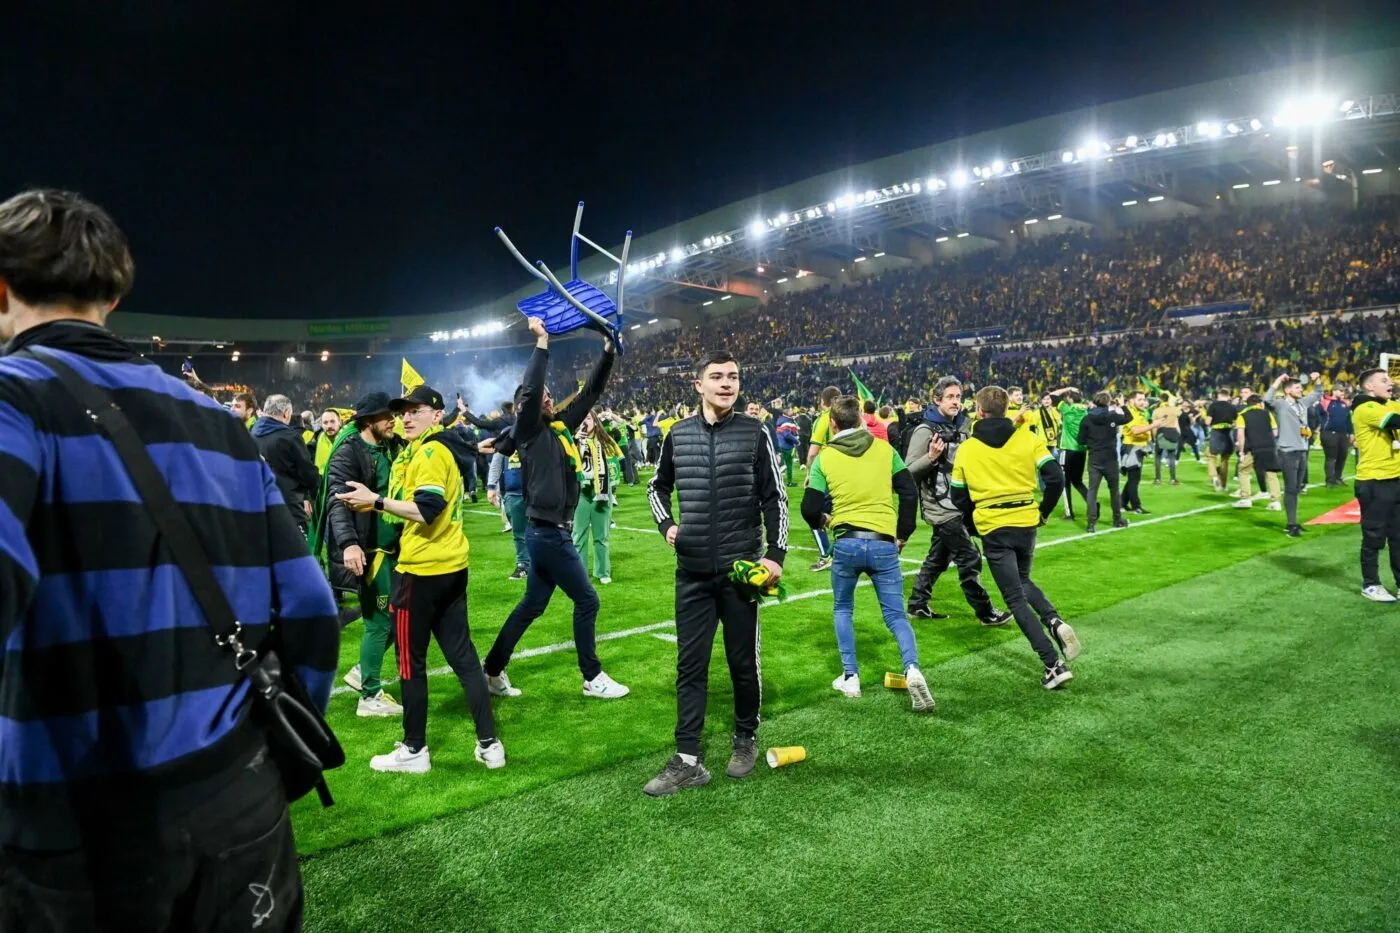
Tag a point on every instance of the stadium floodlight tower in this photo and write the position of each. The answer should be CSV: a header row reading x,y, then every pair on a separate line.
x,y
567,307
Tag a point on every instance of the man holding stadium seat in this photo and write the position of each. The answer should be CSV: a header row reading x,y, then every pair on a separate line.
x,y
1376,421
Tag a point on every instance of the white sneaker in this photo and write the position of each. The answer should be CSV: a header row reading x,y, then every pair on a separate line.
x,y
848,685
1275,506
1215,484
352,678
381,704
605,580
401,759
1377,594
919,693
1242,504
492,756
501,686
1261,495
604,688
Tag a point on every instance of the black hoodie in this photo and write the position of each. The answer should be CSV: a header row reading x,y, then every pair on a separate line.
x,y
1098,435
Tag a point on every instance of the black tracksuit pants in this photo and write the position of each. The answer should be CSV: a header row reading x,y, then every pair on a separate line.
x,y
1010,553
702,603
951,544
436,606
1098,472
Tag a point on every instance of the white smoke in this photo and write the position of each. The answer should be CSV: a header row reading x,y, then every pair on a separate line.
x,y
484,389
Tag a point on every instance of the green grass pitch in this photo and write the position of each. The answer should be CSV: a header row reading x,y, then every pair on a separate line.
x,y
1227,757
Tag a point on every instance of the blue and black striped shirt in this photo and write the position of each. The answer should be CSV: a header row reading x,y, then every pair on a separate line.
x,y
111,688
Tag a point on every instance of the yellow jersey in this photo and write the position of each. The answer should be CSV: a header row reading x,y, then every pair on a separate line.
x,y
1139,417
1372,422
440,547
1002,481
821,430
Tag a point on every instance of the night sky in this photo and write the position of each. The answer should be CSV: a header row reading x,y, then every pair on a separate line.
x,y
272,163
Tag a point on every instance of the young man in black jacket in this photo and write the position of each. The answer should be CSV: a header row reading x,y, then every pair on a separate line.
x,y
361,547
544,438
725,471
1098,435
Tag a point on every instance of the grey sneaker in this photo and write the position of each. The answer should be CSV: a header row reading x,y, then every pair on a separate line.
x,y
744,757
677,775
1064,637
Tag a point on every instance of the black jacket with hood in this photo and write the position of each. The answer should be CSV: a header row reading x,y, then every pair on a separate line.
x,y
1098,435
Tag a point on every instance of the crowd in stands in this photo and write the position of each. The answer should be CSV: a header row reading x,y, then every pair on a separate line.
x,y
1111,292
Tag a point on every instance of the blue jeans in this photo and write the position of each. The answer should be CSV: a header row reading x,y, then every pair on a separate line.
x,y
554,564
880,561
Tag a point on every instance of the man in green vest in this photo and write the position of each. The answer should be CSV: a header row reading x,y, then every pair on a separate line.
x,y
862,475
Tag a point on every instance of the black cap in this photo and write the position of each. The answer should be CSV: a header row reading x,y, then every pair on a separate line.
x,y
375,403
422,395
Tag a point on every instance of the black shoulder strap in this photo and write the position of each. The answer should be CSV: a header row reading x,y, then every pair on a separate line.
x,y
180,538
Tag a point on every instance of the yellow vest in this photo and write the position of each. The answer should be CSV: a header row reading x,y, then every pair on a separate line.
x,y
859,485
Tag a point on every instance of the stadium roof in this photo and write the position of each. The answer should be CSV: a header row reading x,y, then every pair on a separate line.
x,y
1338,118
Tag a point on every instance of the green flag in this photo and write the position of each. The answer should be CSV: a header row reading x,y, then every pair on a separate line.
x,y
1150,385
861,391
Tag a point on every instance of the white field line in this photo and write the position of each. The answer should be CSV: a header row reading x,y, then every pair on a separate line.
x,y
813,594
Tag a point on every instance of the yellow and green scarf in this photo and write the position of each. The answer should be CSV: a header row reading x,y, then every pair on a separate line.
x,y
755,577
570,448
601,454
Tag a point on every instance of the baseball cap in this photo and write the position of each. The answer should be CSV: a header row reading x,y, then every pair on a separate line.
x,y
422,395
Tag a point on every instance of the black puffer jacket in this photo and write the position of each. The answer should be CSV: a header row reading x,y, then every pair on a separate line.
x,y
351,461
727,480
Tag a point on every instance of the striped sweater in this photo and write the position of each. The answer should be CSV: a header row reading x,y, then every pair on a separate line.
x,y
115,705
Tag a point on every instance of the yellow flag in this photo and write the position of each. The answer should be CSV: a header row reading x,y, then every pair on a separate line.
x,y
410,378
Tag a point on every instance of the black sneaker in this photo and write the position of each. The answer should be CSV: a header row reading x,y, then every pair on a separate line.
x,y
1055,676
924,612
744,757
1120,523
998,617
1064,637
521,572
1091,528
1294,531
677,775
823,563
1139,511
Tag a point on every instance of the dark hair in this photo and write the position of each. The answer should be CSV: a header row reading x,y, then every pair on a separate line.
x,y
992,401
249,400
1102,399
507,407
1288,383
713,358
829,395
1366,377
885,411
868,406
1073,396
845,412
944,384
58,248
1222,393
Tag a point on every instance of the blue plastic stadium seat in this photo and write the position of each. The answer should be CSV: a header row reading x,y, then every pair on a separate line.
x,y
560,317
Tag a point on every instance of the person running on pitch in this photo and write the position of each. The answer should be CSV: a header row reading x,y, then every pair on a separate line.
x,y
994,484
430,581
733,507
860,475
544,439
933,446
